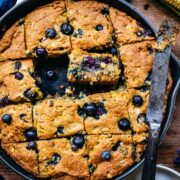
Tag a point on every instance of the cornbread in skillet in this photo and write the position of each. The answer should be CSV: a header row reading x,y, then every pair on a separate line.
x,y
12,43
109,155
137,108
93,68
109,109
56,157
15,120
24,155
44,36
92,28
56,118
97,128
127,29
17,83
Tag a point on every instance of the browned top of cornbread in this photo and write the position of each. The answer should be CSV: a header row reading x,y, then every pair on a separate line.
x,y
12,44
113,107
90,135
20,121
127,29
138,54
67,161
39,21
27,158
120,149
16,81
56,118
92,29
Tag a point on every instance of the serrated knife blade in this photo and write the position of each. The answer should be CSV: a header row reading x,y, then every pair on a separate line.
x,y
165,37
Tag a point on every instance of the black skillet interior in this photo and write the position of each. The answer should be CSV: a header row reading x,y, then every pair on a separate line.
x,y
27,6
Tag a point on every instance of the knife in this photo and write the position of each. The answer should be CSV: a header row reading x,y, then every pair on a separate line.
x,y
165,38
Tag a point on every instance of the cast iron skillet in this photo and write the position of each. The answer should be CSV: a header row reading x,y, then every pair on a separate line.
x,y
26,6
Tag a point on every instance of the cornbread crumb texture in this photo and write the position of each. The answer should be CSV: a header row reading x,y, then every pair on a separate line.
x,y
43,30
12,44
92,29
17,83
57,117
14,121
109,155
127,29
93,68
138,60
56,157
109,109
25,157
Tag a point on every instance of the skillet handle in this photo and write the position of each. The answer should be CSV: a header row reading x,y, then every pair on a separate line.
x,y
149,170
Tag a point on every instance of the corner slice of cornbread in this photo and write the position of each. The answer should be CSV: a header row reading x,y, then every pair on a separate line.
x,y
23,155
12,43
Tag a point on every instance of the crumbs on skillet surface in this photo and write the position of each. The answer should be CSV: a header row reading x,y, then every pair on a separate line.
x,y
74,89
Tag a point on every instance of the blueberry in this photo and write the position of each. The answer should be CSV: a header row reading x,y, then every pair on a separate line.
x,y
99,27
30,134
19,76
60,130
30,94
74,71
90,109
141,118
177,161
67,29
41,52
51,33
18,65
51,75
4,100
113,51
7,119
78,141
32,145
105,11
106,155
124,124
55,159
137,100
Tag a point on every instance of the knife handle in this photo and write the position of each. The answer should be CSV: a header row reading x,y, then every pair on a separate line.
x,y
149,169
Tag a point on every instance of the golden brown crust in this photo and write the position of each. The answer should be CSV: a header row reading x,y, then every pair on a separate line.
x,y
70,162
12,44
121,157
37,23
85,16
24,157
56,118
21,121
16,80
116,105
126,28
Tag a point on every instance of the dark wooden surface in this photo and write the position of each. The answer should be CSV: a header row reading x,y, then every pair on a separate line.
x,y
156,13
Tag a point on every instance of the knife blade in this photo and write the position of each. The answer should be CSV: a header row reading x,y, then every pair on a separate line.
x,y
165,38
